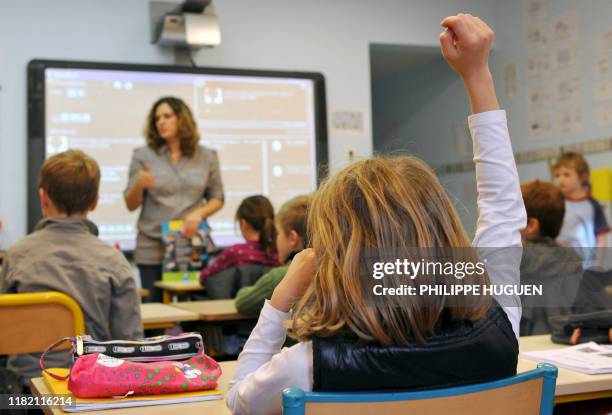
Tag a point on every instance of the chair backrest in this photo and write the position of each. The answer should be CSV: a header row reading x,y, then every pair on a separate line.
x,y
592,295
528,393
226,283
30,322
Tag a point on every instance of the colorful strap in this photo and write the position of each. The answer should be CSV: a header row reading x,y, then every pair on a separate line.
x,y
50,348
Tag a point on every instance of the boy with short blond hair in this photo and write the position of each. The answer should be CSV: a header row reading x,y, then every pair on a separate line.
x,y
64,254
584,223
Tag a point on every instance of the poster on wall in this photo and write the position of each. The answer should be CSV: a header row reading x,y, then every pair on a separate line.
x,y
565,28
603,116
537,10
569,119
602,54
602,91
510,86
568,89
540,125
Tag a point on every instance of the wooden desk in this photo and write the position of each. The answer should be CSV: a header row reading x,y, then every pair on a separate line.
x,y
571,386
144,292
217,407
214,310
172,289
163,316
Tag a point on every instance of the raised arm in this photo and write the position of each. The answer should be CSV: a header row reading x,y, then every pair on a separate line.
x,y
501,212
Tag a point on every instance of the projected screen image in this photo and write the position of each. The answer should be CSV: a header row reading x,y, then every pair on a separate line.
x,y
263,129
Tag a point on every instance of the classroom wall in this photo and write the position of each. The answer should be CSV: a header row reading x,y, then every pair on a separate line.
x,y
592,19
331,37
435,126
423,112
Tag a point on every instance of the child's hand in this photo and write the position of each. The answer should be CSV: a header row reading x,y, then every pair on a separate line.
x,y
293,286
466,43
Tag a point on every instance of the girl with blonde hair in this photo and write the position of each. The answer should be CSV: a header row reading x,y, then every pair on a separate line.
x,y
374,212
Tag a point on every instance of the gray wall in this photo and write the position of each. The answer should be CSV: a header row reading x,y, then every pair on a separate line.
x,y
331,37
430,119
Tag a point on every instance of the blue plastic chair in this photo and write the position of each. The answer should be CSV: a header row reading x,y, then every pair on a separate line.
x,y
527,393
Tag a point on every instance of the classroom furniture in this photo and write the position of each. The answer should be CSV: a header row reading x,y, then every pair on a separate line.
x,y
571,385
164,316
216,314
23,315
529,393
593,295
214,310
143,292
172,289
218,407
225,284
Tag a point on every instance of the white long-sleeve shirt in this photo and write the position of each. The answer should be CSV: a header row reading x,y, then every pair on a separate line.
x,y
264,369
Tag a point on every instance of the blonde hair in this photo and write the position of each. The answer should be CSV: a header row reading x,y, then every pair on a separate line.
x,y
292,216
187,128
373,208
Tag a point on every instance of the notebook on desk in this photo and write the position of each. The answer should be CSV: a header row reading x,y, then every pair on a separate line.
x,y
60,387
590,358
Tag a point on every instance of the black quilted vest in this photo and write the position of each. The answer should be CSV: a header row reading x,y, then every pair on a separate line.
x,y
459,354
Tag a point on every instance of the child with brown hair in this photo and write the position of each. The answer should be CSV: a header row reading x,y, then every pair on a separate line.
x,y
544,261
64,254
255,216
291,238
350,339
584,223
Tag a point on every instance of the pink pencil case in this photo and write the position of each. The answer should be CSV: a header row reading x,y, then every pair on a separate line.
x,y
100,376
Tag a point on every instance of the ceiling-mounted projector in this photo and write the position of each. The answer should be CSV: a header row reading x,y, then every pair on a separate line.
x,y
191,26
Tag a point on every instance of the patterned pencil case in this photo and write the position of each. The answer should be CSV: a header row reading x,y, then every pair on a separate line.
x,y
99,376
150,349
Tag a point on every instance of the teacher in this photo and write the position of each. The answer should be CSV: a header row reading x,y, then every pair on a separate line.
x,y
172,177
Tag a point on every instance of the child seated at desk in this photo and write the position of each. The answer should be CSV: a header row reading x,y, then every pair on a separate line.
x,y
544,261
255,216
291,238
64,254
349,338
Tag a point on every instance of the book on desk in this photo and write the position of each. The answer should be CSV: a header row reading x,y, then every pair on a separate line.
x,y
60,387
184,258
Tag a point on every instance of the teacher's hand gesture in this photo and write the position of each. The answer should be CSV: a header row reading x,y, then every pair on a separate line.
x,y
145,178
